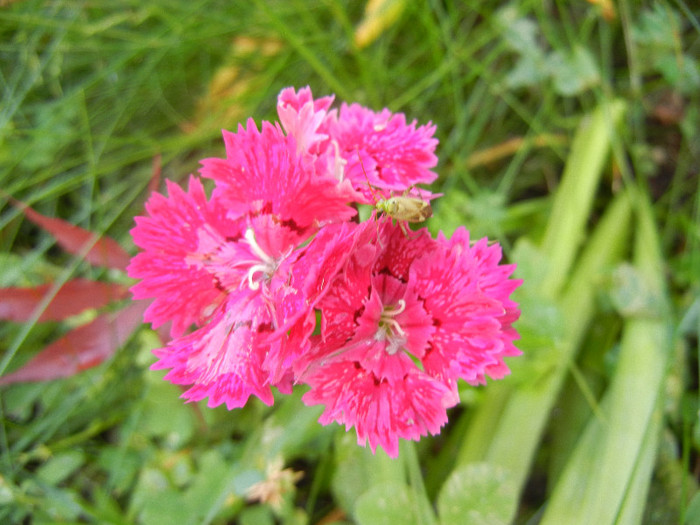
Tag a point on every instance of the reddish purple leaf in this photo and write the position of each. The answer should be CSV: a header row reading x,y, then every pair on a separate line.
x,y
156,169
82,348
105,251
18,304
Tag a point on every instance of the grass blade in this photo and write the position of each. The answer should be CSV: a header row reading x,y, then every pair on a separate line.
x,y
594,484
526,411
566,228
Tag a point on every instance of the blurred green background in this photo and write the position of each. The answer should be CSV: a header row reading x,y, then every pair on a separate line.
x,y
569,133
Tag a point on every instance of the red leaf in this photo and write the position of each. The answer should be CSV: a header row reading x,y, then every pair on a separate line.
x,y
156,168
18,304
82,348
105,251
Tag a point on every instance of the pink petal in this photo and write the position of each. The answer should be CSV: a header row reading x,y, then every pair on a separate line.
x,y
394,155
382,412
184,292
263,172
222,360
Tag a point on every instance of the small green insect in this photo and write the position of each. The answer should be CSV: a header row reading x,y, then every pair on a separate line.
x,y
403,208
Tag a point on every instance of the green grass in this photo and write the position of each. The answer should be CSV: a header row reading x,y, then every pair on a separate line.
x,y
571,139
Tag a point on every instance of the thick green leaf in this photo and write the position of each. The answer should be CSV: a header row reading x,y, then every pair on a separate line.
x,y
164,415
507,431
602,478
386,504
357,470
60,466
477,494
573,72
692,513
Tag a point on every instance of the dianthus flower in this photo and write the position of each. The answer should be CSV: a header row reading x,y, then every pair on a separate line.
x,y
407,318
382,148
183,293
238,265
360,145
243,274
305,119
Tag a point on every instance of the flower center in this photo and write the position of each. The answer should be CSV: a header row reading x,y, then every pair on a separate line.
x,y
266,266
389,328
339,162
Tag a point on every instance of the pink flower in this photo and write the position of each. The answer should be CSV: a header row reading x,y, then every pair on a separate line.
x,y
307,121
241,266
223,360
403,317
359,144
304,118
264,174
183,293
394,155
254,337
308,280
408,316
209,270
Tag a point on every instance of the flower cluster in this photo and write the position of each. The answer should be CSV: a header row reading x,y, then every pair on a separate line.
x,y
241,276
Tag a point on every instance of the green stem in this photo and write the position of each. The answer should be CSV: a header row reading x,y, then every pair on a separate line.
x,y
425,514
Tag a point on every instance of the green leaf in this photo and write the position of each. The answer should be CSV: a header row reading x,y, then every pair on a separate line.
x,y
165,415
656,27
107,509
483,214
60,466
573,201
631,295
211,489
165,506
386,504
609,469
257,515
293,429
573,72
529,71
680,71
519,33
121,465
478,494
357,469
692,513
523,415
53,504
